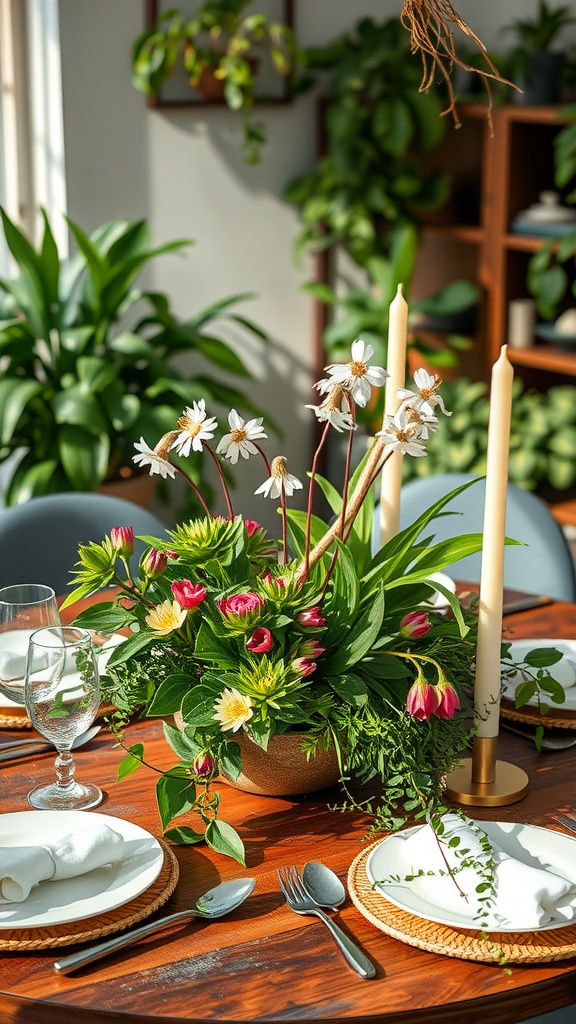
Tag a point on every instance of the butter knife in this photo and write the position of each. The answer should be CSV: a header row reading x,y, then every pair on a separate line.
x,y
567,821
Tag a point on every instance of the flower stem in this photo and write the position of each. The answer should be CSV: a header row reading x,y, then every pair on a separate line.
x,y
195,489
263,454
222,481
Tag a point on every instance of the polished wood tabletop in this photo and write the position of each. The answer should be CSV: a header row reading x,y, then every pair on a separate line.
x,y
263,962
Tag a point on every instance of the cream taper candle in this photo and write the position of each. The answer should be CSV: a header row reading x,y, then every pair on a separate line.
x,y
391,483
487,682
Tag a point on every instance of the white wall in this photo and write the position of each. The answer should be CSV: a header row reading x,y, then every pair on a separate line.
x,y
183,172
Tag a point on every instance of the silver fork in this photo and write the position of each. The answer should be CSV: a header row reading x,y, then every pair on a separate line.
x,y
299,900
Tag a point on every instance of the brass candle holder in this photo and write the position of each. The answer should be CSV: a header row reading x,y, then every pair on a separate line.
x,y
483,781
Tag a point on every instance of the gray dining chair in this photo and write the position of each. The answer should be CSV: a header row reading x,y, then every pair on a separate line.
x,y
39,539
543,566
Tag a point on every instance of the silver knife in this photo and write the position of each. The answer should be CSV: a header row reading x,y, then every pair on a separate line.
x,y
567,821
24,751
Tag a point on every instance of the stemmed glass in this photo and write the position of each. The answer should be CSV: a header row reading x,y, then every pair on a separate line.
x,y
62,698
23,609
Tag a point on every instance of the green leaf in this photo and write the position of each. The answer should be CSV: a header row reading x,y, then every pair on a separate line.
x,y
175,795
105,619
350,688
524,692
84,457
170,693
222,838
360,639
543,657
15,394
183,835
131,762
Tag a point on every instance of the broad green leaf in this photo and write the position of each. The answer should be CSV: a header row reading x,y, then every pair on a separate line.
x,y
169,694
222,838
175,795
84,457
15,394
543,657
131,762
183,835
350,688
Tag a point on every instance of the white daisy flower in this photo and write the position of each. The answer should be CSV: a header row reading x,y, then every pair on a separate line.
x,y
239,440
402,434
335,410
357,376
233,709
279,480
428,423
427,397
194,428
149,457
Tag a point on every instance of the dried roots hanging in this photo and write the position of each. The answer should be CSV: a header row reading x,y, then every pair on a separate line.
x,y
428,22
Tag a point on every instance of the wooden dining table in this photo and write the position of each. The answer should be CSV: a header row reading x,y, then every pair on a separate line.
x,y
263,962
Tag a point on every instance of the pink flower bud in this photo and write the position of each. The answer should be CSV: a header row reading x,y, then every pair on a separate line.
x,y
251,526
422,700
188,594
312,617
122,538
203,766
303,666
261,641
415,624
173,554
448,700
310,649
240,605
153,563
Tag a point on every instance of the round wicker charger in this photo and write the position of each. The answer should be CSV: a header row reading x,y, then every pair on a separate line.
x,y
556,719
462,943
93,928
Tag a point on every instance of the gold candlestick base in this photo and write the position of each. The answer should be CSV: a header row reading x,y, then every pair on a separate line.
x,y
482,781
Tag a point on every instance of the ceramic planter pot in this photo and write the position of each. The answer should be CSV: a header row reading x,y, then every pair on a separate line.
x,y
283,769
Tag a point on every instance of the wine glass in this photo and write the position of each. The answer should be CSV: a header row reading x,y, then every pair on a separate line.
x,y
23,609
62,697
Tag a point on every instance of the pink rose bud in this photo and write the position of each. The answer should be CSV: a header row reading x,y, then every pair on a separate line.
x,y
303,666
122,538
310,649
312,617
153,563
251,526
188,594
261,641
422,700
415,624
240,605
448,700
203,766
173,554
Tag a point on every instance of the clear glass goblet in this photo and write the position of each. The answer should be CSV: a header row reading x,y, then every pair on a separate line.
x,y
24,608
62,698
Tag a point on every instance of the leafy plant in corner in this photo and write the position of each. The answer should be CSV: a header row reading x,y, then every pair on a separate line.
x,y
87,359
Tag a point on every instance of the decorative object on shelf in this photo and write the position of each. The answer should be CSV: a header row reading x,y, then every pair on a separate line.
x,y
547,217
224,50
537,67
328,643
79,382
521,321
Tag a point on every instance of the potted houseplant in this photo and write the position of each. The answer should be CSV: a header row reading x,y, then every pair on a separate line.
x,y
536,65
220,47
313,640
89,360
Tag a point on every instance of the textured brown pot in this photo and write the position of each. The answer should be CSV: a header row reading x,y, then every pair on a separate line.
x,y
283,769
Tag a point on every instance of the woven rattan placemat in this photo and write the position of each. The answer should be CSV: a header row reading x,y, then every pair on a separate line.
x,y
94,928
18,719
531,716
516,947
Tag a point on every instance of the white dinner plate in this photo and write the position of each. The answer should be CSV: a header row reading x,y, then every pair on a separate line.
x,y
105,650
96,892
518,651
538,847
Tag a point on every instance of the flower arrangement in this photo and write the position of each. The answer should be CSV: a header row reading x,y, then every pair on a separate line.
x,y
314,635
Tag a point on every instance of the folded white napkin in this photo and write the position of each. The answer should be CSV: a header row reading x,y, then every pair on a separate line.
x,y
525,897
12,665
22,867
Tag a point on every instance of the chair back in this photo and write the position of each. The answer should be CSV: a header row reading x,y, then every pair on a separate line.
x,y
39,539
544,566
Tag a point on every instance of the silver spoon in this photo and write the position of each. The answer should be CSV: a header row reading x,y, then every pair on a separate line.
x,y
19,748
214,903
323,885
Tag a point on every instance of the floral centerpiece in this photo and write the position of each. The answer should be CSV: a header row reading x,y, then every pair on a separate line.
x,y
248,639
